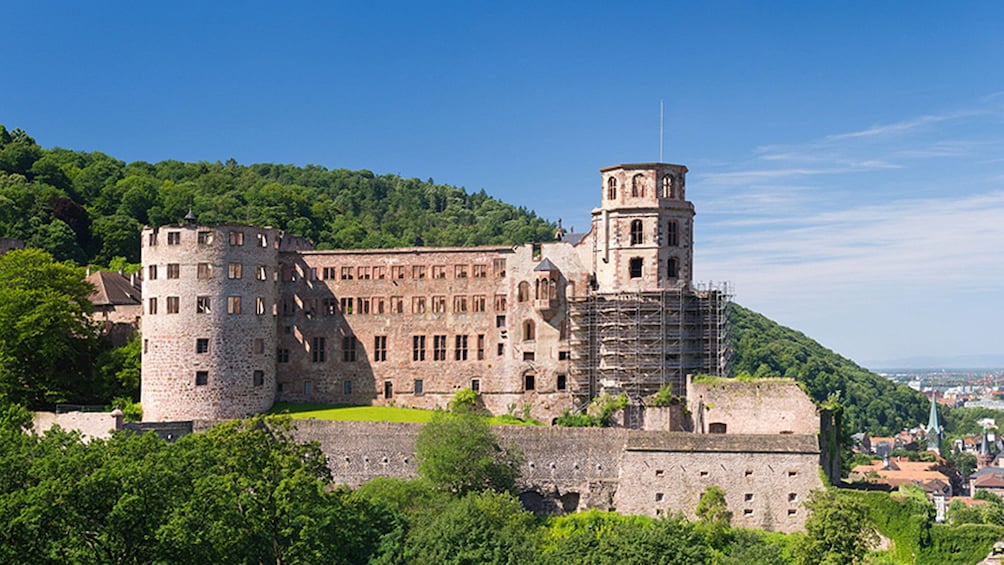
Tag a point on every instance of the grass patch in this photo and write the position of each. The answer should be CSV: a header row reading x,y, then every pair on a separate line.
x,y
306,410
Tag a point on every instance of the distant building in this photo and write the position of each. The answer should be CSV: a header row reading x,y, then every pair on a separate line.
x,y
895,472
237,317
118,304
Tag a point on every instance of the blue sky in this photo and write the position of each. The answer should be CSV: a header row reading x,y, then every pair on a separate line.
x,y
845,160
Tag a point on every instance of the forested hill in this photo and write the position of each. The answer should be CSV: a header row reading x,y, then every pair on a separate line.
x,y
763,348
89,207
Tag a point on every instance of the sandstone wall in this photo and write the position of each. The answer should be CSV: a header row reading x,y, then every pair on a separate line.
x,y
762,406
89,424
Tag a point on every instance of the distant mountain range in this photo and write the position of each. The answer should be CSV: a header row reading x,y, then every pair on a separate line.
x,y
988,361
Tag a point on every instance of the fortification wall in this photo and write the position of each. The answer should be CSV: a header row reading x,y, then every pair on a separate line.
x,y
89,424
766,478
762,406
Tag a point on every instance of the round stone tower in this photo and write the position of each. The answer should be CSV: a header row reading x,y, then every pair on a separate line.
x,y
644,229
209,330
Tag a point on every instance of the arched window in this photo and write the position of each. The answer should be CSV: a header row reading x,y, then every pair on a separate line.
x,y
667,186
611,188
638,186
672,238
672,268
529,330
523,292
634,267
636,232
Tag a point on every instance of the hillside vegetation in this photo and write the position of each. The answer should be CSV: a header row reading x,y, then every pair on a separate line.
x,y
763,348
89,207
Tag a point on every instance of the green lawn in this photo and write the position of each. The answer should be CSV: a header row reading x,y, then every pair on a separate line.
x,y
373,413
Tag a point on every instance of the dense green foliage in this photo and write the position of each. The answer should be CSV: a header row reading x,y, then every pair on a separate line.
x,y
839,530
89,207
458,453
763,348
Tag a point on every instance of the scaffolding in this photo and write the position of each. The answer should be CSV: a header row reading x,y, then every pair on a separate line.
x,y
637,343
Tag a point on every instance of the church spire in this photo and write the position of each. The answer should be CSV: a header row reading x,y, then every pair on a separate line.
x,y
934,428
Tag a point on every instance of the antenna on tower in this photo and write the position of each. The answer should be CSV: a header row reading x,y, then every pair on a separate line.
x,y
661,136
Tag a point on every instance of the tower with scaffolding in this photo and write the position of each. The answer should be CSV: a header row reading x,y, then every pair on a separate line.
x,y
642,324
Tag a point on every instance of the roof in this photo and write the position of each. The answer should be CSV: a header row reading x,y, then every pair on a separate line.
x,y
641,166
545,265
573,238
901,470
113,289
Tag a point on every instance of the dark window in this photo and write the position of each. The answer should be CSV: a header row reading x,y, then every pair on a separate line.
x,y
419,387
173,270
476,385
523,292
347,388
638,186
152,306
418,348
153,273
529,382
672,237
501,349
205,237
388,389
562,382
236,238
204,271
460,351
563,356
282,355
717,428
635,267
528,355
202,345
672,268
202,305
317,354
529,330
611,188
499,321
481,347
349,348
380,348
439,348
172,305
636,232
259,378
201,378
173,237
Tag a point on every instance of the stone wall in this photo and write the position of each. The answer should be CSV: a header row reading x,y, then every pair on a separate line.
x,y
761,406
766,478
89,424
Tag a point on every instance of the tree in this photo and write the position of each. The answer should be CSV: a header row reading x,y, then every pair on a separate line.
x,y
712,509
459,453
838,530
47,337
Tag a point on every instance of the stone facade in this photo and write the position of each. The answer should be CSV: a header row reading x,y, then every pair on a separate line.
x,y
766,478
538,328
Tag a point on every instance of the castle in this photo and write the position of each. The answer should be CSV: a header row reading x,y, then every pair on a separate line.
x,y
238,317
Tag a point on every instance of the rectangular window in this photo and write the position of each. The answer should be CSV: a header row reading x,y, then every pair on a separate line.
x,y
261,273
329,306
379,273
201,345
349,348
233,305
262,240
201,378
308,388
418,305
380,348
419,387
439,271
146,345
346,305
172,304
203,305
498,267
362,305
236,238
481,347
460,271
396,305
529,356
397,272
205,237
634,267
418,348
259,378
259,346
153,272
313,273
478,303
476,385
153,239
151,307
173,270
346,273
234,270
480,271
418,272
460,304
501,349
259,306
439,348
347,388
499,321
460,349
379,306
328,273
672,239
672,269
204,271
364,273
282,355
529,382
173,237
563,384
317,353
500,303
438,304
